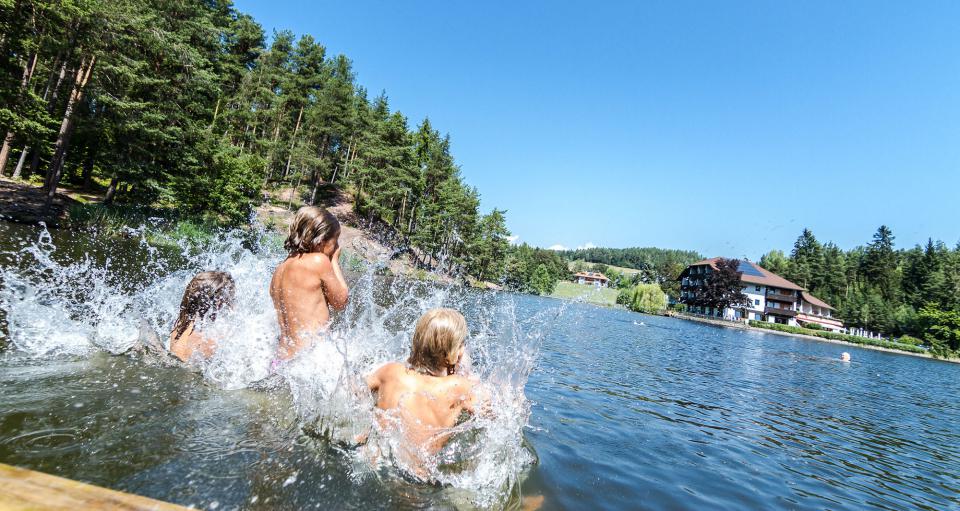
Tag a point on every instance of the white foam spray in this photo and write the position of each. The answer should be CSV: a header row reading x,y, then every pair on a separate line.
x,y
74,305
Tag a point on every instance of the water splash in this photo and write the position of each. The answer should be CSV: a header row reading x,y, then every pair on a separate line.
x,y
108,294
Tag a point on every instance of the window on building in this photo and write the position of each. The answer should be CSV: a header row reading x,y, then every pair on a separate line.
x,y
756,301
758,288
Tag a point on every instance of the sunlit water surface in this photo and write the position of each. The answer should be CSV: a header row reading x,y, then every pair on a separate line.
x,y
599,408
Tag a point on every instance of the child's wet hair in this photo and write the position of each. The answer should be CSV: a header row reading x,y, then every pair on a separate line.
x,y
311,227
437,339
206,294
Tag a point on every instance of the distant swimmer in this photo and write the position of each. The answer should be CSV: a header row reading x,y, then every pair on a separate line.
x,y
844,357
206,295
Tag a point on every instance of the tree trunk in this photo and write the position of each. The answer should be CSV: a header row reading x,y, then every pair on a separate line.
x,y
293,141
294,193
350,159
84,71
23,158
215,112
28,68
5,150
51,91
91,158
276,136
346,161
111,190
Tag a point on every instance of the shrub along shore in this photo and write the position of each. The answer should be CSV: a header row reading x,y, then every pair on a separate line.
x,y
833,336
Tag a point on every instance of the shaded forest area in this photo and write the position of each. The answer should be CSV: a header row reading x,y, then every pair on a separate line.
x,y
180,104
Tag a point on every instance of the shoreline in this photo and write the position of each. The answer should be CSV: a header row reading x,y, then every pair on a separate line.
x,y
740,326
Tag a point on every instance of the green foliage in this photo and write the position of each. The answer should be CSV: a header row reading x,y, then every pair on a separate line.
x,y
653,265
722,287
776,262
941,330
186,108
907,339
648,298
541,282
879,288
230,185
528,269
838,337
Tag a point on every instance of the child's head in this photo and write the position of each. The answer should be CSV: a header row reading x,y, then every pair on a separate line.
x,y
438,341
206,294
313,229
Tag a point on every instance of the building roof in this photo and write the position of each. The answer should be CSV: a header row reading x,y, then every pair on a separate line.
x,y
755,274
590,275
815,301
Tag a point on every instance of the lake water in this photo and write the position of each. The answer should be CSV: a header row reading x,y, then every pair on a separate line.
x,y
621,410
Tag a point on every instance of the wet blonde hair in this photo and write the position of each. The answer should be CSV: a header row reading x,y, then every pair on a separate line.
x,y
312,226
206,294
437,339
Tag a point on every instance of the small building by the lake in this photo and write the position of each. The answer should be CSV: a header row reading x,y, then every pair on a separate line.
x,y
772,298
592,278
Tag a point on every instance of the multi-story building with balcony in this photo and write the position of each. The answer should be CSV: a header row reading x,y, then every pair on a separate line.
x,y
772,298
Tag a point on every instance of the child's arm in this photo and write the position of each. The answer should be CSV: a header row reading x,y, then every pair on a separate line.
x,y
334,285
476,397
373,380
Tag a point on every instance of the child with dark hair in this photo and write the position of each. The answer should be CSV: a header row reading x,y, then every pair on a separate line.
x,y
206,295
308,281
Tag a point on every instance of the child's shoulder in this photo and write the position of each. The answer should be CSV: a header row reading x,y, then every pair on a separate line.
x,y
457,383
391,369
308,261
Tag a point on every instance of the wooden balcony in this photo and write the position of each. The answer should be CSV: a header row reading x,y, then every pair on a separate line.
x,y
781,298
780,312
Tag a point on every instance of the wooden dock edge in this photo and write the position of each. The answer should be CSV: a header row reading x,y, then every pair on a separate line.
x,y
22,489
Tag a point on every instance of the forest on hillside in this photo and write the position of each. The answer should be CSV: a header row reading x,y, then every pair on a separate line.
x,y
661,266
182,105
908,291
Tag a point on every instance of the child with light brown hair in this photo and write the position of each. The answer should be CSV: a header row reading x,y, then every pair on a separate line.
x,y
426,396
206,295
308,281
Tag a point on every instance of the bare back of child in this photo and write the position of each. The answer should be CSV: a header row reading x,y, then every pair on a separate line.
x,y
425,397
308,281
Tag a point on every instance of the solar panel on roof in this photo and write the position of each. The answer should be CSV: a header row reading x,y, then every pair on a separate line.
x,y
748,269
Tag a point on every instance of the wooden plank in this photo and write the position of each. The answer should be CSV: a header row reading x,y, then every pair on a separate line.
x,y
22,489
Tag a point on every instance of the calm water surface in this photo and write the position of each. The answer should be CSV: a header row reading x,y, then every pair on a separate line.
x,y
628,412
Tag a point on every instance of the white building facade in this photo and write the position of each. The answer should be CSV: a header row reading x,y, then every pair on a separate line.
x,y
772,298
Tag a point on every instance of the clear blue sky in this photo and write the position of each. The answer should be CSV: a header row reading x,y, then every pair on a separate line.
x,y
723,127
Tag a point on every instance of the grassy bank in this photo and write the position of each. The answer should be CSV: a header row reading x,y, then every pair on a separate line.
x,y
589,294
853,339
161,226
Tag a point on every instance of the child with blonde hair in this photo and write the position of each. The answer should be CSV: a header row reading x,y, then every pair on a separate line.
x,y
426,396
308,281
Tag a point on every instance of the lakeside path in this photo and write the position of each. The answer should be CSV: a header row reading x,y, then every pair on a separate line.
x,y
24,203
741,326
